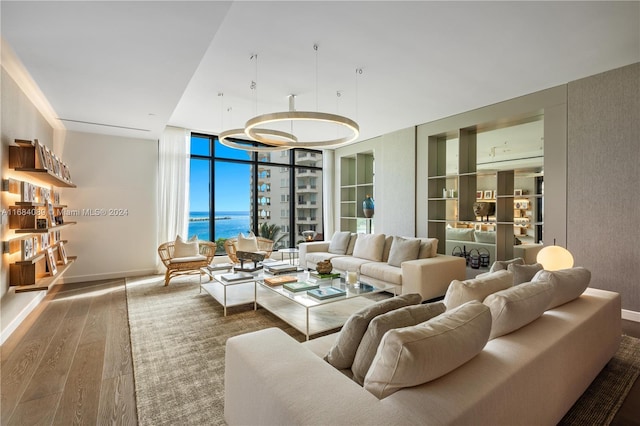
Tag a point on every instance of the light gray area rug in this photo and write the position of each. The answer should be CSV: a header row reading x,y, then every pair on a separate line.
x,y
178,340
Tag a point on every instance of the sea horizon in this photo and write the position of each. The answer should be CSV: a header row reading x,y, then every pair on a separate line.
x,y
228,223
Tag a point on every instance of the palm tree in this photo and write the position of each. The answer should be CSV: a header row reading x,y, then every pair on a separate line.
x,y
271,231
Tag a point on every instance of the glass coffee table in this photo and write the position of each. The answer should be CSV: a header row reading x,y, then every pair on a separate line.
x,y
230,293
310,315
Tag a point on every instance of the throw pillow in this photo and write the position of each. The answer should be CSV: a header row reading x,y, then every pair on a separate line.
x,y
499,265
517,306
461,292
369,246
343,351
339,242
523,273
352,244
403,249
488,237
411,356
428,248
568,284
248,243
188,248
402,317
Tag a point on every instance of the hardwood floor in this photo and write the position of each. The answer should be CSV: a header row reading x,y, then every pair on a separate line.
x,y
70,362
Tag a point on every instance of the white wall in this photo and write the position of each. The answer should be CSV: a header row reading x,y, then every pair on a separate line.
x,y
116,178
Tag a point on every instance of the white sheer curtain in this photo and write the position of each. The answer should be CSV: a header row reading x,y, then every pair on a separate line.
x,y
328,191
173,184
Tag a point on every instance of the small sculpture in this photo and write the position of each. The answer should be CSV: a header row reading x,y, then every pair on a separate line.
x,y
324,267
484,209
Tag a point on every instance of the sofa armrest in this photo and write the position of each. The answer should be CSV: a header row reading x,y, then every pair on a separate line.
x,y
271,379
431,277
313,246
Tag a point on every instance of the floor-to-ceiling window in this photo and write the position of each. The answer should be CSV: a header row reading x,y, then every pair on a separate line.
x,y
277,195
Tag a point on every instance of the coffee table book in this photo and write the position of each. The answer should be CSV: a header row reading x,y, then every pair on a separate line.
x,y
281,269
316,274
326,293
280,279
300,286
238,276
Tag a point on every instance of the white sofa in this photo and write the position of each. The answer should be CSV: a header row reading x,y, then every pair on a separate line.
x,y
469,239
375,257
531,376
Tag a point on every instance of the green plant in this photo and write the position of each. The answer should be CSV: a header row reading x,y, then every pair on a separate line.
x,y
271,232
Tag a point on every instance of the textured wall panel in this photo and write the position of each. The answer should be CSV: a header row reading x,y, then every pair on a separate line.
x,y
603,176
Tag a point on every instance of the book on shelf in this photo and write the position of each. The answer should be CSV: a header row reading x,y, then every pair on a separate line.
x,y
281,269
300,286
319,276
280,279
326,293
238,276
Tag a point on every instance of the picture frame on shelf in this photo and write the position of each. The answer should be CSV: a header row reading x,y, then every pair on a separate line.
x,y
495,195
42,223
517,192
488,194
63,253
52,267
479,195
52,218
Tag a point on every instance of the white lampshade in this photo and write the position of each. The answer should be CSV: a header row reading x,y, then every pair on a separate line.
x,y
554,258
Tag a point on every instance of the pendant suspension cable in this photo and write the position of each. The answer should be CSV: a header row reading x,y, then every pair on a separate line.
x,y
254,84
221,96
358,74
315,47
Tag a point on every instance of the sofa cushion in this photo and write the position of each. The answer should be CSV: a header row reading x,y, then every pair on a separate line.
x,y
499,265
411,356
347,263
517,306
523,273
568,284
387,248
460,292
488,237
343,351
188,248
403,249
381,271
369,246
428,248
402,317
460,234
339,242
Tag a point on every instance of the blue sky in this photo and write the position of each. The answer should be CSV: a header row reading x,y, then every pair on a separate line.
x,y
231,181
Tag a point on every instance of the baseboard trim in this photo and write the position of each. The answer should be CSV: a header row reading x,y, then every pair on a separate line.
x,y
630,315
109,276
9,325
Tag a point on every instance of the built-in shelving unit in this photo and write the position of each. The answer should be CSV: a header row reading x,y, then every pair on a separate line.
x,y
37,253
356,182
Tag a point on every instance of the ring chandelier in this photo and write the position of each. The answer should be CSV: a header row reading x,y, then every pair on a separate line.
x,y
276,140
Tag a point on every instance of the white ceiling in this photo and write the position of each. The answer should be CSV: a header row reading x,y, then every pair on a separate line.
x,y
133,67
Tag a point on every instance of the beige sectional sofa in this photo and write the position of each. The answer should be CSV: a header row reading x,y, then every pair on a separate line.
x,y
412,265
530,375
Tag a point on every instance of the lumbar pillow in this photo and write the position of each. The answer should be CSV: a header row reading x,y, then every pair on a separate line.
x,y
403,249
183,248
460,292
499,265
460,234
248,243
402,317
343,351
339,242
369,246
523,273
568,284
411,356
517,306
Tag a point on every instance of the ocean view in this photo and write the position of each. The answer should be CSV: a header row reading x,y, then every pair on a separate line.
x,y
228,224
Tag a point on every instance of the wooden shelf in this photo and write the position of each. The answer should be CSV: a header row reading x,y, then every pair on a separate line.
x,y
44,230
45,283
44,175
